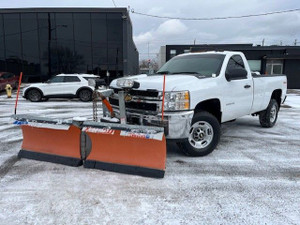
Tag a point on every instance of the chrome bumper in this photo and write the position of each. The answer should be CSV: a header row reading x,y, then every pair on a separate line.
x,y
176,124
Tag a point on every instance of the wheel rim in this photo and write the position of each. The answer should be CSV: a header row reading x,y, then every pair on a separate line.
x,y
34,95
201,134
85,95
273,113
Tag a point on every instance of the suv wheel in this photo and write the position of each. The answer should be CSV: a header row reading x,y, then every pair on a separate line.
x,y
204,135
85,95
34,95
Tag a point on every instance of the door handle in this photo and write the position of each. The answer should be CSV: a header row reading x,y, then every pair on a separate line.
x,y
247,86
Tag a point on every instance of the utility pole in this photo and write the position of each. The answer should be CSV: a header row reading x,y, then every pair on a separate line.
x,y
195,41
280,43
148,59
263,42
295,43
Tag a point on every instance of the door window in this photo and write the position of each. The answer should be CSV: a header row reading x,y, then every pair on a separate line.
x,y
71,79
235,62
57,79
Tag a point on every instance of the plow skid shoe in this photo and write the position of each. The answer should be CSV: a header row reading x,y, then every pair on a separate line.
x,y
57,144
127,149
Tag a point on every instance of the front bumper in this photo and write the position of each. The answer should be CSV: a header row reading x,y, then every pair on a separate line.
x,y
176,124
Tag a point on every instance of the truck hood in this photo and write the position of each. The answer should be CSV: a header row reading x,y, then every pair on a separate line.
x,y
178,82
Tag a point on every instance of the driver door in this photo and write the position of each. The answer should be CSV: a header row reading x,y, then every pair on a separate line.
x,y
238,93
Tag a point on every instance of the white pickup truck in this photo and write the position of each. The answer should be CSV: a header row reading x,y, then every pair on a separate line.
x,y
202,91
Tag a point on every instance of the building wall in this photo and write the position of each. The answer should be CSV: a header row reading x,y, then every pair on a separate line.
x,y
292,70
45,42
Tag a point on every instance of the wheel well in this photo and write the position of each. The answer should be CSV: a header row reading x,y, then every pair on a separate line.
x,y
277,96
212,106
29,89
83,88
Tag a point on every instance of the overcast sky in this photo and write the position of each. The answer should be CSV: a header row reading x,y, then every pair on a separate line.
x,y
274,29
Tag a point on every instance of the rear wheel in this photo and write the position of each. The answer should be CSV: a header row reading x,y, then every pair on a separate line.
x,y
268,117
85,95
204,135
34,95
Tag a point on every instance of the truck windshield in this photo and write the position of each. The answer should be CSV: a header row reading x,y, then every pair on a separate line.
x,y
205,65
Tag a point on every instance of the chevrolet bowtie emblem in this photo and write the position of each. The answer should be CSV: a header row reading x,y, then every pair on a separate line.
x,y
128,98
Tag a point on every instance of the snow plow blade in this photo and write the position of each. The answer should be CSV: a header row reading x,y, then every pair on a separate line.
x,y
130,149
50,140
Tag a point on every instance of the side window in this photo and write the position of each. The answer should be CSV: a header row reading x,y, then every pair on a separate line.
x,y
90,78
5,76
71,79
10,75
57,79
235,62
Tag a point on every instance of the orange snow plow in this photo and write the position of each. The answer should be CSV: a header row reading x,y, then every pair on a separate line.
x,y
106,143
50,140
126,148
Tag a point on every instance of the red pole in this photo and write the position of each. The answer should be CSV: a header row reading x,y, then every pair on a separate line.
x,y
18,92
163,99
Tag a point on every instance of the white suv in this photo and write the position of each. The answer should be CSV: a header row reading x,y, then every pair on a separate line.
x,y
61,86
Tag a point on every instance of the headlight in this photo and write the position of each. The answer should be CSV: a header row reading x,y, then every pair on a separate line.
x,y
127,83
177,101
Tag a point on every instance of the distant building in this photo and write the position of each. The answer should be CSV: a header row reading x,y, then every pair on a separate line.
x,y
42,42
264,59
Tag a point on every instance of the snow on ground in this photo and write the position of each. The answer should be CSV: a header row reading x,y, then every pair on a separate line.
x,y
251,178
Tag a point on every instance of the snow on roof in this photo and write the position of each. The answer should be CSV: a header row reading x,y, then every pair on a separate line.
x,y
76,74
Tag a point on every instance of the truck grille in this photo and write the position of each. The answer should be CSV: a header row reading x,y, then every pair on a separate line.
x,y
148,93
142,101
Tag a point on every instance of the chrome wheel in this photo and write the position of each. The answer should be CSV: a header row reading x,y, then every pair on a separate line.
x,y
201,134
273,114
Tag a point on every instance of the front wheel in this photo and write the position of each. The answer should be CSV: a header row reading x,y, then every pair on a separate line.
x,y
85,95
268,117
204,135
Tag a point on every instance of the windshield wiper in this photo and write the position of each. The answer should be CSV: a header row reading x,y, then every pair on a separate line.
x,y
186,73
163,72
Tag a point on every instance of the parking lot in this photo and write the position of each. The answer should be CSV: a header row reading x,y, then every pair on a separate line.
x,y
251,178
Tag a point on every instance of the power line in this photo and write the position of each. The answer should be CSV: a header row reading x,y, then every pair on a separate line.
x,y
113,1
216,18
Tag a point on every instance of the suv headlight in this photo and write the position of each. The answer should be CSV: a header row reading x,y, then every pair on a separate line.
x,y
177,100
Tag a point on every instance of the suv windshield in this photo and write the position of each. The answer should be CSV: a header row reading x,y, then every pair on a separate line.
x,y
205,64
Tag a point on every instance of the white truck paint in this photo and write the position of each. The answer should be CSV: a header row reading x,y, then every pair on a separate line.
x,y
248,94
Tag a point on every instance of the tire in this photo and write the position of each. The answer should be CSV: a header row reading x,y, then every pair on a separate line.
x,y
204,135
34,95
85,95
268,117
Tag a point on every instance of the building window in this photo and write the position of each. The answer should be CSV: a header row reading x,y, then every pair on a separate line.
x,y
274,66
255,65
186,50
172,53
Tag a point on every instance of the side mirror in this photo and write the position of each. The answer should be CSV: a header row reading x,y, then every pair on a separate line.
x,y
236,74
